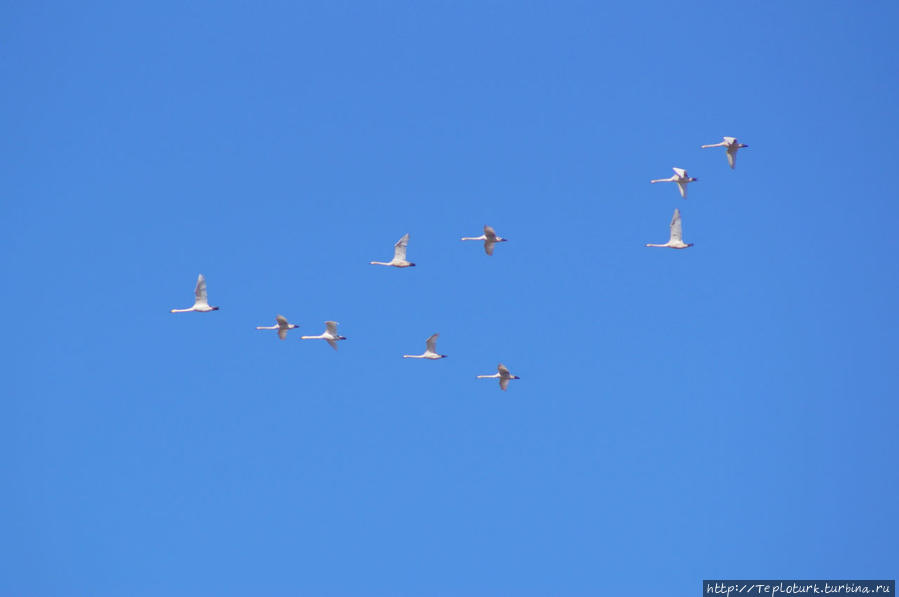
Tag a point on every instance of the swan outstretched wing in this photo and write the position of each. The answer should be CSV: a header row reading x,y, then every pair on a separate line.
x,y
399,249
680,172
282,326
732,157
503,370
490,233
503,383
333,343
332,328
730,140
432,343
682,187
200,291
488,246
676,231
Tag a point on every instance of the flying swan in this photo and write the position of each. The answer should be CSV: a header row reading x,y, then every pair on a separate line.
x,y
676,239
201,303
732,146
489,237
399,254
330,334
503,375
681,178
430,351
282,326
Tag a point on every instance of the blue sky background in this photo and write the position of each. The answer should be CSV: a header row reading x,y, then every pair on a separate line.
x,y
725,411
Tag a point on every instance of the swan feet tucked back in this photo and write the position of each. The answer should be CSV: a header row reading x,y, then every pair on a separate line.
x,y
399,254
282,326
201,302
330,335
681,178
503,374
732,145
675,241
430,350
489,237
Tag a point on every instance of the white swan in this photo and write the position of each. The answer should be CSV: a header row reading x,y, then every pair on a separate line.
x,y
282,326
681,178
430,351
732,146
489,237
676,239
503,374
330,335
399,254
201,303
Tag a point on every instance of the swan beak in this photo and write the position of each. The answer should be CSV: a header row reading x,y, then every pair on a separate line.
x,y
411,265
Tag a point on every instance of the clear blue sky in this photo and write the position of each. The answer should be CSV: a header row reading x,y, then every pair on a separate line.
x,y
725,411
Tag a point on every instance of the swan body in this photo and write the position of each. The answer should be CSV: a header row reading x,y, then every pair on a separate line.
x,y
399,254
282,326
430,351
732,146
330,335
676,239
502,374
681,178
201,302
489,237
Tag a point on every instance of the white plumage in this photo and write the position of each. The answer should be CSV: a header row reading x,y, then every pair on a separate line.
x,y
430,350
330,335
282,326
503,374
399,254
489,237
201,300
675,240
681,178
732,145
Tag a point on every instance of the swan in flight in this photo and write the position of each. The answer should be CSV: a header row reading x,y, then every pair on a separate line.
x,y
282,326
681,178
399,254
676,240
732,146
201,303
330,335
430,351
489,237
503,374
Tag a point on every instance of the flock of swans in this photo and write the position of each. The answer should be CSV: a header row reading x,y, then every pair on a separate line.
x,y
675,229
331,335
